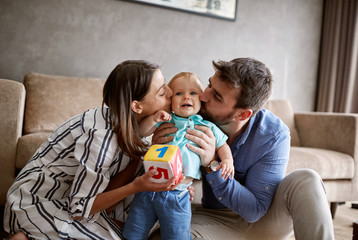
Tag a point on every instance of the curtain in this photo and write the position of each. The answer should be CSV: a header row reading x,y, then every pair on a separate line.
x,y
337,88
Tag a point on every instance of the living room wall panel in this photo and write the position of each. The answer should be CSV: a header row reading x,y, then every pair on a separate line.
x,y
87,38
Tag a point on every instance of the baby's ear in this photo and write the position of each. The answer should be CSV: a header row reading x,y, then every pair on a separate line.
x,y
136,107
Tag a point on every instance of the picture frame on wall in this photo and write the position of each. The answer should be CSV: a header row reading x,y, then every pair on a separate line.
x,y
223,9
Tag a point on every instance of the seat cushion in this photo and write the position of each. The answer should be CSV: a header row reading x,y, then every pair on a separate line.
x,y
27,146
328,164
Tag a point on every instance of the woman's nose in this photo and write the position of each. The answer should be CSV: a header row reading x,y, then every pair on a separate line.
x,y
204,95
169,92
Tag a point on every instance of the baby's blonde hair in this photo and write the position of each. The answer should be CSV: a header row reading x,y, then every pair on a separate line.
x,y
187,75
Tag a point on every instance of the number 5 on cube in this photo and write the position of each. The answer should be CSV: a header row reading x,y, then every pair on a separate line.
x,y
166,159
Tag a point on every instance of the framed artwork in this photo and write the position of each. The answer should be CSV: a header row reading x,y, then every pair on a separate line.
x,y
224,9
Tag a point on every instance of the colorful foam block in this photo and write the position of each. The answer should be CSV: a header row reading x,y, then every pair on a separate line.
x,y
166,159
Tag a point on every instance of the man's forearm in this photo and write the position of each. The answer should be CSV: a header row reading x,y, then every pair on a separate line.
x,y
233,195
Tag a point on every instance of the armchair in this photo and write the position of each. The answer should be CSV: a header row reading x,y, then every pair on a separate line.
x,y
326,143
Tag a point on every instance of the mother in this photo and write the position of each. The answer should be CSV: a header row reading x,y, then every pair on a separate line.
x,y
87,165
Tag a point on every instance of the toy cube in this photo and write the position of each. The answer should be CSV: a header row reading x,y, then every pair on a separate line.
x,y
166,159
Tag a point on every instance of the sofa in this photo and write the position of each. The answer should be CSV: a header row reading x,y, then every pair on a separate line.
x,y
30,111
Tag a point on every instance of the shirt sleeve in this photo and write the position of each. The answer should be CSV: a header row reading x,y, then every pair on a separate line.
x,y
95,151
221,137
252,198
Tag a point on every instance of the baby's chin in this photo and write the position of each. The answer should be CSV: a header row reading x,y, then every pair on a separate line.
x,y
186,114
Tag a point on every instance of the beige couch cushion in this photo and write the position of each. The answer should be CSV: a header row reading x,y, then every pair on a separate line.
x,y
27,146
283,109
328,164
48,96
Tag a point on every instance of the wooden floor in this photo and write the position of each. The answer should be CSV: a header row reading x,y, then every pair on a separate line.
x,y
343,222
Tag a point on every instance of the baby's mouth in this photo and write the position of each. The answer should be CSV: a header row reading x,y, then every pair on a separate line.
x,y
186,105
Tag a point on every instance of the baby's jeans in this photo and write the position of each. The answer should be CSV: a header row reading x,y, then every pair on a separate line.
x,y
171,208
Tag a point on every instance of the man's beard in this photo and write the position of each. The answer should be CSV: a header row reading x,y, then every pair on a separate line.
x,y
219,121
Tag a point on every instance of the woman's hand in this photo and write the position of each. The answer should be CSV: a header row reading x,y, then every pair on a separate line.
x,y
206,141
143,183
160,135
108,199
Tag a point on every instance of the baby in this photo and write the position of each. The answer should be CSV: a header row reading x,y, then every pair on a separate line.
x,y
187,88
173,208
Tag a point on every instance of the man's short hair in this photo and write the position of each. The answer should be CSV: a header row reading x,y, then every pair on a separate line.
x,y
251,77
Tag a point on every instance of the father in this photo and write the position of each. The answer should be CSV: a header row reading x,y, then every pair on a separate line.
x,y
259,203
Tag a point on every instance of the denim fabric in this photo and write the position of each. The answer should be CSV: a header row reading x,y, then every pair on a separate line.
x,y
172,209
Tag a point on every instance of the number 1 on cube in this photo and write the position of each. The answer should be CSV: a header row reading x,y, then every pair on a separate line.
x,y
162,151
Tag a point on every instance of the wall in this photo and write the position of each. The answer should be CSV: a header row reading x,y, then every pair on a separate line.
x,y
90,37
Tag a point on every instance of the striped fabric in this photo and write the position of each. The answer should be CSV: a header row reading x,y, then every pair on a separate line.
x,y
62,180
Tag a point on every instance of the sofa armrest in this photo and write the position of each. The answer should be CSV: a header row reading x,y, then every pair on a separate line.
x,y
12,103
332,131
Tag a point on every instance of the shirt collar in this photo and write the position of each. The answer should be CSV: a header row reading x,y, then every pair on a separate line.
x,y
193,117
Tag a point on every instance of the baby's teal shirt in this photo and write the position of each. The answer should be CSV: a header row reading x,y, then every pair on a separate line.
x,y
191,160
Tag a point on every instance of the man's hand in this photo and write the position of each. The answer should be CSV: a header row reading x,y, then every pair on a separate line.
x,y
206,141
160,135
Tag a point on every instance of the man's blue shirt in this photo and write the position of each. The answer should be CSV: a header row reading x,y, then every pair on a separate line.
x,y
260,155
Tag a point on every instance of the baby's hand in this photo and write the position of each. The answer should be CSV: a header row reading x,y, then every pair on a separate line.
x,y
227,168
162,116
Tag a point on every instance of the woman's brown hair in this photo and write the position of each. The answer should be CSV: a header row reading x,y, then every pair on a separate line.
x,y
129,81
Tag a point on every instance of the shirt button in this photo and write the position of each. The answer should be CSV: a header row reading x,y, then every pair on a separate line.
x,y
220,198
266,188
211,182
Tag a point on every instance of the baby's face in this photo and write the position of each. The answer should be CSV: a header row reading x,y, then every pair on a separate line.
x,y
186,92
